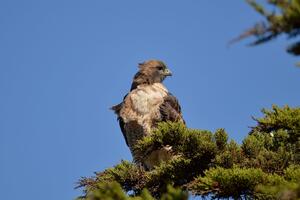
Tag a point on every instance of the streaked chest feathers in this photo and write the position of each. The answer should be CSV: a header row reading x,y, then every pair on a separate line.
x,y
148,99
143,103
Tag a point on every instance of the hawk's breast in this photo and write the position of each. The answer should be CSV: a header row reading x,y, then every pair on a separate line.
x,y
147,99
142,104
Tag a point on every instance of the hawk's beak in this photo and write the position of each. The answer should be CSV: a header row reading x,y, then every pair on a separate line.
x,y
167,72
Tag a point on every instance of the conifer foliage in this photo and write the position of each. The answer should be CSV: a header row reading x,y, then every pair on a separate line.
x,y
265,166
283,18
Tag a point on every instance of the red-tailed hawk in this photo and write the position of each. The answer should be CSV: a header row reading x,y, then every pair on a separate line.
x,y
147,103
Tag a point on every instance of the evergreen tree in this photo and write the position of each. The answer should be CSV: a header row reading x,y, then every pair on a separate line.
x,y
265,166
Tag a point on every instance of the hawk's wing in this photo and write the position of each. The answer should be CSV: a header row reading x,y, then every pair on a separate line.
x,y
117,109
122,124
170,109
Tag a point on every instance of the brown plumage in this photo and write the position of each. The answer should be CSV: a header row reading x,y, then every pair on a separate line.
x,y
147,103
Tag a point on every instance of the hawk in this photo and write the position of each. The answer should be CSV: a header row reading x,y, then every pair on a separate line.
x,y
148,103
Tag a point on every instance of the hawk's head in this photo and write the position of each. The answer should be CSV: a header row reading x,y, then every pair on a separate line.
x,y
151,71
154,70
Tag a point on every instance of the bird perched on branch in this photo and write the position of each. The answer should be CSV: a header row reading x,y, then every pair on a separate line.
x,y
148,103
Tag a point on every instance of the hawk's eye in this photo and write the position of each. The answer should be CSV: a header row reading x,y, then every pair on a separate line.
x,y
160,68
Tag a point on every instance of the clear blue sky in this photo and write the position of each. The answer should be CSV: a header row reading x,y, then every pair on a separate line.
x,y
64,63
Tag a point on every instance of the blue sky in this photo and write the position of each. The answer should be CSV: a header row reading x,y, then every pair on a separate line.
x,y
64,63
